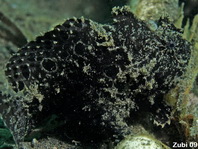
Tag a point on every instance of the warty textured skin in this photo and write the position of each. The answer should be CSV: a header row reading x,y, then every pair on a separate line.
x,y
98,76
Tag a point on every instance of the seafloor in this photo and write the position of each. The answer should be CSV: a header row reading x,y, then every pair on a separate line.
x,y
35,17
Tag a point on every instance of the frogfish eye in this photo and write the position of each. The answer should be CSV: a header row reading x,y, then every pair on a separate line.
x,y
171,44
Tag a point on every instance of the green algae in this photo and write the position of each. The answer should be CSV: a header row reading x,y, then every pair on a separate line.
x,y
6,140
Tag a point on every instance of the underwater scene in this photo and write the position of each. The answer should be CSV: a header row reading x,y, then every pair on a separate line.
x,y
98,74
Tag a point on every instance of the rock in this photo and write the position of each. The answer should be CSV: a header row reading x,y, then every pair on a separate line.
x,y
140,142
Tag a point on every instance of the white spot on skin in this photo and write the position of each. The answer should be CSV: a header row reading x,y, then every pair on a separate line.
x,y
86,69
70,31
82,19
55,42
62,73
89,47
57,90
76,63
75,19
40,107
71,24
40,75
